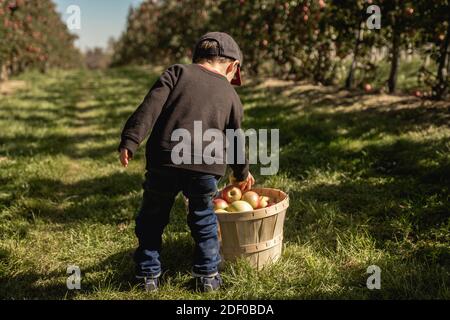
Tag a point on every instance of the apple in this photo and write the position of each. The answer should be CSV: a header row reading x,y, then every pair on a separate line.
x,y
221,211
322,4
220,204
240,206
271,203
418,93
410,11
231,194
263,201
252,198
367,87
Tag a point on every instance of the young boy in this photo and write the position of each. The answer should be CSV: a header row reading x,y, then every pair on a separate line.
x,y
184,94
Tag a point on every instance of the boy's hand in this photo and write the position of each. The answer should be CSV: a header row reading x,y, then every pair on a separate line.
x,y
125,157
245,185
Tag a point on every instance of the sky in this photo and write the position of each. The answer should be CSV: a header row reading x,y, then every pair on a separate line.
x,y
100,19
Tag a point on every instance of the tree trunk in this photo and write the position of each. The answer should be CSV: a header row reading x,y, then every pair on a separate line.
x,y
351,73
3,72
392,81
441,87
318,74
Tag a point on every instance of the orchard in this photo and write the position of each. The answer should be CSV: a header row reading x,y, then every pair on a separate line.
x,y
33,36
345,111
318,40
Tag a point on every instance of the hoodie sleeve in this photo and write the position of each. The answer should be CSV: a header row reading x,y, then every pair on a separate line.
x,y
141,122
240,168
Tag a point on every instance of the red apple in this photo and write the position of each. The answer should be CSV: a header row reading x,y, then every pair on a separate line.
x,y
272,202
231,194
263,201
220,204
240,206
410,11
418,93
251,197
367,87
322,4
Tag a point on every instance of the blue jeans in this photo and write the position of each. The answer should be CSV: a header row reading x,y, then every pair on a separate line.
x,y
160,190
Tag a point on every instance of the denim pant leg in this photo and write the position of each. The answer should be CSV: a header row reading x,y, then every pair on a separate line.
x,y
203,224
153,216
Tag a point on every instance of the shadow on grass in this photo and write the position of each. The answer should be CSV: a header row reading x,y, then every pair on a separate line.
x,y
399,187
115,272
104,199
397,191
76,103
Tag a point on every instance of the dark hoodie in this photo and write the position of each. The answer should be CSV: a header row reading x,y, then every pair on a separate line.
x,y
184,94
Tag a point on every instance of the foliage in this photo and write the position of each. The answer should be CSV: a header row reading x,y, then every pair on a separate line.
x,y
33,36
300,39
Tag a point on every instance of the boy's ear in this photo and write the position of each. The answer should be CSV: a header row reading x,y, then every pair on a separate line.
x,y
229,68
232,66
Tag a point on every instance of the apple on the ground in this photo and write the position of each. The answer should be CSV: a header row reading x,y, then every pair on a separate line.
x,y
231,194
240,206
251,197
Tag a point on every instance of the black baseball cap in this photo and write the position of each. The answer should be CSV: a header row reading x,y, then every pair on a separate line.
x,y
227,47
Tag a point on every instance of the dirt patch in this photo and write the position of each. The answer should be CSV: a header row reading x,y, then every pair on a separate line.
x,y
9,87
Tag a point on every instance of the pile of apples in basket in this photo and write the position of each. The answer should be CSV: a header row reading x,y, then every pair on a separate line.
x,y
232,200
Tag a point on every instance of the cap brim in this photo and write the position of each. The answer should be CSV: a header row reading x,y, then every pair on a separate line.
x,y
237,81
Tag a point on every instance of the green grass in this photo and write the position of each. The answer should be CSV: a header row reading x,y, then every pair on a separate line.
x,y
368,178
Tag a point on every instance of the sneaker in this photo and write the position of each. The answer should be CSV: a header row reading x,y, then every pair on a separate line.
x,y
209,284
151,284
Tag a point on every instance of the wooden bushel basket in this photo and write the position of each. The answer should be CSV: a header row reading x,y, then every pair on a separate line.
x,y
256,236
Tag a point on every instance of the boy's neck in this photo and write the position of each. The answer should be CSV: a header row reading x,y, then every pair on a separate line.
x,y
212,68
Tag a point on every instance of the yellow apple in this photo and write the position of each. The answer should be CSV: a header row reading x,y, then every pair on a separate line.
x,y
263,201
231,194
251,197
221,211
240,206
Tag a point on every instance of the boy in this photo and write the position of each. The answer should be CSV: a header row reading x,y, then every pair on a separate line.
x,y
184,94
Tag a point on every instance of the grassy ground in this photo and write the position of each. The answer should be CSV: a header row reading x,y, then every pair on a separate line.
x,y
368,178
